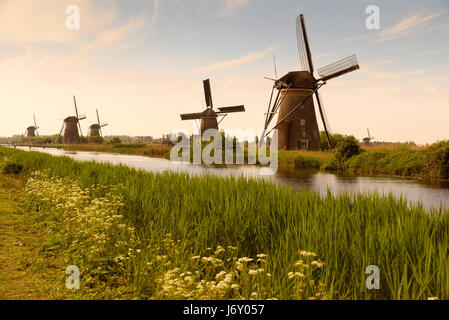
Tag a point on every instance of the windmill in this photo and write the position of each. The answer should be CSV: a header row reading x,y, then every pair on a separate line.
x,y
95,129
32,130
297,123
368,139
71,125
209,116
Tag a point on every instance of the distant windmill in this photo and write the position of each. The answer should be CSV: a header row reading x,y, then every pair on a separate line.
x,y
32,131
71,125
95,129
368,139
209,116
297,123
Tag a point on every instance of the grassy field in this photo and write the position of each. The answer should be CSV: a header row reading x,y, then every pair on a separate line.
x,y
172,236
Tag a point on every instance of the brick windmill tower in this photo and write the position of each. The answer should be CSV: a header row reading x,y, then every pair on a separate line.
x,y
70,127
209,116
95,129
297,124
32,130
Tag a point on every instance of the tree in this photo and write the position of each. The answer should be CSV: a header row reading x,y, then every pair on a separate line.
x,y
347,148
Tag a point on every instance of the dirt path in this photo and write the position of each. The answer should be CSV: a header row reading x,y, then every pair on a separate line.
x,y
21,273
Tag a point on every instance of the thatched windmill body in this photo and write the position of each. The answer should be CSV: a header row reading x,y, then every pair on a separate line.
x,y
71,125
297,124
209,116
32,130
95,129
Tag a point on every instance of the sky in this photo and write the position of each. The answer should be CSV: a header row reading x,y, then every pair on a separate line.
x,y
142,62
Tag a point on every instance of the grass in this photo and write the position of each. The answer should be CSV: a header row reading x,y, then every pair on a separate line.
x,y
196,237
151,150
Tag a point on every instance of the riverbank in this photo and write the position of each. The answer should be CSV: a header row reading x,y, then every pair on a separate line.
x,y
175,236
150,150
431,162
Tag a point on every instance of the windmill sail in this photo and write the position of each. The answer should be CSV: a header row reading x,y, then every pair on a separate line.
x,y
192,116
208,93
232,109
339,68
305,56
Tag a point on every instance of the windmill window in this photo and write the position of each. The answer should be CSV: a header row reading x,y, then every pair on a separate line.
x,y
304,134
303,122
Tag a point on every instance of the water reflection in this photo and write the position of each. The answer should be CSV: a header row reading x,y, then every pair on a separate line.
x,y
430,193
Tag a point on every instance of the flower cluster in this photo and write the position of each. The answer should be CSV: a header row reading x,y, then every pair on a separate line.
x,y
87,222
305,276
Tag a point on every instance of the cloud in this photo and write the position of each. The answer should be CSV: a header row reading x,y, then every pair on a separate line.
x,y
44,22
228,7
406,26
156,13
350,38
378,63
430,52
250,57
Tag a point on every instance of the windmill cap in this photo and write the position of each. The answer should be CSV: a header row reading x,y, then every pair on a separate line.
x,y
71,119
209,112
95,126
299,79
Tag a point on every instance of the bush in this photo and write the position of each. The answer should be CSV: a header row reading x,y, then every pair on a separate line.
x,y
347,148
96,140
13,167
115,141
335,138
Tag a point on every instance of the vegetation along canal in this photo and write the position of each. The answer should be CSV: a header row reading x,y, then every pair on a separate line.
x,y
430,193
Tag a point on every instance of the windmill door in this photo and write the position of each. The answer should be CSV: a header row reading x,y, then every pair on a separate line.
x,y
303,144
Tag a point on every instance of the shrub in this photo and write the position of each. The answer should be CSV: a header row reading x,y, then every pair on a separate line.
x,y
13,167
115,141
96,140
347,148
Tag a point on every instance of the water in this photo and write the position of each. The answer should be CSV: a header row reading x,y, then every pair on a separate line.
x,y
430,193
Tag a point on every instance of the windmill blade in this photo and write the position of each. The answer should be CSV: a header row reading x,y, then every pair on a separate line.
x,y
323,118
275,67
208,93
191,116
60,133
305,55
76,108
34,117
231,109
271,113
104,124
98,117
339,68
